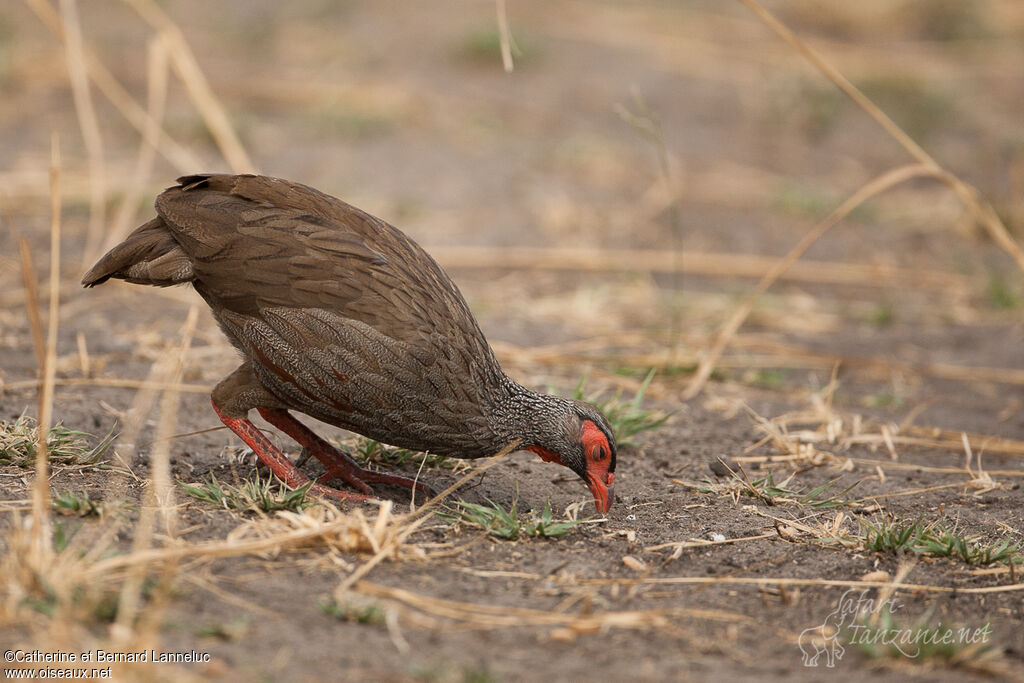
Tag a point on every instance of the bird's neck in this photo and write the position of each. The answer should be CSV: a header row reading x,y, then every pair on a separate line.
x,y
528,416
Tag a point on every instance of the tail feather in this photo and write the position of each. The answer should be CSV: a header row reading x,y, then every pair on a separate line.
x,y
148,256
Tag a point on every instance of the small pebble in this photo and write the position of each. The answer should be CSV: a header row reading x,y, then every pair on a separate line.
x,y
720,466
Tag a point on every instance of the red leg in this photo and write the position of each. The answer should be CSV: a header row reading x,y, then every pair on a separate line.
x,y
337,463
275,460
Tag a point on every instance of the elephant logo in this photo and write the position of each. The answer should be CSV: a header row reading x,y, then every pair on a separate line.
x,y
818,640
824,639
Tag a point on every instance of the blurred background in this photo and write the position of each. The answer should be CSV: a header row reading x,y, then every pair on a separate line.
x,y
656,158
607,205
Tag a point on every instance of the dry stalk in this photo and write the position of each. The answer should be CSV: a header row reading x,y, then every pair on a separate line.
x,y
872,188
196,84
967,194
504,616
42,546
504,36
156,81
338,532
982,481
84,361
711,264
141,384
921,468
178,155
88,122
160,456
800,446
159,493
414,520
35,322
926,167
700,543
796,581
902,572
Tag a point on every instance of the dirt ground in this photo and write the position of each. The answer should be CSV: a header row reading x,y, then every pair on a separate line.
x,y
898,332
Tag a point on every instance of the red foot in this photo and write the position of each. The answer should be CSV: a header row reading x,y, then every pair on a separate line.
x,y
337,463
275,460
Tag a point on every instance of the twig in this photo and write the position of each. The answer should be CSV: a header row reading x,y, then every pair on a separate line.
x,y
41,486
160,494
504,36
416,519
28,277
198,87
700,543
498,616
698,263
873,187
74,55
178,155
108,382
157,57
967,194
792,581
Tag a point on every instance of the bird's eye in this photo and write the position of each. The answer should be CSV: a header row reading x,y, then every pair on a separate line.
x,y
599,453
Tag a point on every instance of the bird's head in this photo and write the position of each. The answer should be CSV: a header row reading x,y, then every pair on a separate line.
x,y
585,444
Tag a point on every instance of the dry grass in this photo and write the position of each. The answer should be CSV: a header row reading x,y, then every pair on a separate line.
x,y
926,167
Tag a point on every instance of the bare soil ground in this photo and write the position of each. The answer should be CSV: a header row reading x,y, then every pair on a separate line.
x,y
889,358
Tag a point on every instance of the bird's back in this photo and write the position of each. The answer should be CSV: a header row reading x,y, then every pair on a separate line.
x,y
341,315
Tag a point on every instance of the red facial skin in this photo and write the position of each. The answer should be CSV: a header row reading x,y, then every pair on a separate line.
x,y
599,459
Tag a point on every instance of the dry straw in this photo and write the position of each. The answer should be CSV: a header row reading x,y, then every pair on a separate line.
x,y
41,543
158,497
176,153
926,167
504,36
88,122
589,259
158,70
198,87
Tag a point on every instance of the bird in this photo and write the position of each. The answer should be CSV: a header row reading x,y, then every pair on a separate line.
x,y
342,317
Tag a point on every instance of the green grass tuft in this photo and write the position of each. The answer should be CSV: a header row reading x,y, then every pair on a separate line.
x,y
81,505
766,490
930,539
768,378
484,47
1001,296
882,315
892,536
627,417
19,443
887,399
370,451
508,524
355,613
253,494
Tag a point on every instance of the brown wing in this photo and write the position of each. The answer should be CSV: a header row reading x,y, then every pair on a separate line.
x,y
342,316
341,371
258,242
